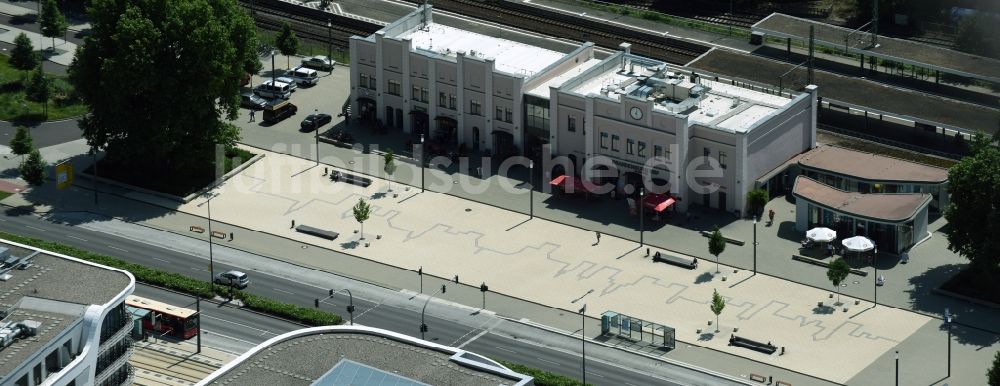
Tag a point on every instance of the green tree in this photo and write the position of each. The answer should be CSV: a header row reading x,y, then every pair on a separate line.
x,y
390,166
21,144
158,77
39,89
361,212
23,56
716,245
718,304
287,43
33,169
973,213
975,34
52,21
993,374
756,200
837,272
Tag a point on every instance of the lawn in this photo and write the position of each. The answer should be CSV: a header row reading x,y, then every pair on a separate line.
x,y
14,106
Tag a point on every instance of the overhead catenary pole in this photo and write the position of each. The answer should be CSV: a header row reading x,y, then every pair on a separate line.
x,y
583,341
812,44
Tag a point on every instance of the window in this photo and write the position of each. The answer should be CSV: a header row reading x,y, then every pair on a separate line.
x,y
722,159
706,152
614,142
451,101
510,115
571,124
52,362
423,94
416,93
629,146
364,80
37,374
657,151
475,108
23,381
642,149
499,115
668,152
394,88
442,99
372,82
604,140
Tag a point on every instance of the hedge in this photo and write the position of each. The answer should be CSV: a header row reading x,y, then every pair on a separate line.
x,y
185,284
542,378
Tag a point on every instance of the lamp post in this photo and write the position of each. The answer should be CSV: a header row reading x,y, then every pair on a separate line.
x,y
531,189
897,367
420,272
423,326
422,166
483,288
875,265
316,126
947,320
329,42
583,340
755,245
642,213
350,304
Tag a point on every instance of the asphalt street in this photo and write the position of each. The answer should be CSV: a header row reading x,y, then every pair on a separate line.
x,y
235,330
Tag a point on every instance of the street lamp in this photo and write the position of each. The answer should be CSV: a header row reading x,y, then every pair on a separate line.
x,y
642,213
420,272
947,320
350,304
423,325
422,166
755,245
329,42
316,126
531,189
583,340
897,367
875,264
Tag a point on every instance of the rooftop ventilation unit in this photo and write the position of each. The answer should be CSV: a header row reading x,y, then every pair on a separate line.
x,y
10,331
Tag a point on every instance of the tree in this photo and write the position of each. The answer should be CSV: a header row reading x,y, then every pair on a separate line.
x,y
52,21
390,166
21,144
756,200
716,245
837,272
993,374
23,56
39,89
361,213
974,35
33,169
718,304
287,43
973,213
158,77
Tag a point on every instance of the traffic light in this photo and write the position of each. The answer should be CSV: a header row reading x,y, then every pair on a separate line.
x,y
331,292
444,288
420,271
350,309
483,287
423,327
456,279
316,303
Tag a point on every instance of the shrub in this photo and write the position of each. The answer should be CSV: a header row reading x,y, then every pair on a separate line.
x,y
542,378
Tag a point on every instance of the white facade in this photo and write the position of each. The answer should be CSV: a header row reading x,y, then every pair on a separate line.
x,y
76,344
641,114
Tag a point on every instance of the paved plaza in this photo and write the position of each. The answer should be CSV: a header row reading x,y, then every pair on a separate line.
x,y
554,264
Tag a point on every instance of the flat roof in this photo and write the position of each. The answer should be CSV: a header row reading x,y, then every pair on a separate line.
x,y
542,90
51,325
902,50
304,357
888,207
894,101
510,56
872,167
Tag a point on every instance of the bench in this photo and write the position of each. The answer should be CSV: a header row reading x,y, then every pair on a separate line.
x,y
353,179
686,262
329,235
766,348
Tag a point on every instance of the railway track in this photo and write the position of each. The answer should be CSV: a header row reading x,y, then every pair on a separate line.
x,y
308,23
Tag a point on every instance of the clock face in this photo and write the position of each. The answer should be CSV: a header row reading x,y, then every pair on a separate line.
x,y
636,113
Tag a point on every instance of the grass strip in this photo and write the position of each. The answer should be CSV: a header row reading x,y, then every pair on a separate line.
x,y
542,378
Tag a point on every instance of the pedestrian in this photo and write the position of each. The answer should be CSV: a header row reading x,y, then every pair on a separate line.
x,y
770,216
230,236
293,224
252,113
598,237
326,171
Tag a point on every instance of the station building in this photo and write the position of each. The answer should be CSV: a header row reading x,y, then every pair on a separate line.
x,y
652,120
64,320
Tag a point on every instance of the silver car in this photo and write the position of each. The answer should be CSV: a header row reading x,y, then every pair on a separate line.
x,y
251,101
319,62
233,278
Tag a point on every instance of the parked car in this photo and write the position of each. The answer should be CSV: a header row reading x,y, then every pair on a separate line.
x,y
303,76
319,62
314,121
251,101
272,90
233,278
274,113
292,84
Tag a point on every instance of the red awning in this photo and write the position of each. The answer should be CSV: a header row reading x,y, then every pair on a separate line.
x,y
565,182
658,202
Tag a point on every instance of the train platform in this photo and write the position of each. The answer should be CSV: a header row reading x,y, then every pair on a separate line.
x,y
159,362
897,50
855,93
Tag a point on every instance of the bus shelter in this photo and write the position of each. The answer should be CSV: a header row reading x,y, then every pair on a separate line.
x,y
625,326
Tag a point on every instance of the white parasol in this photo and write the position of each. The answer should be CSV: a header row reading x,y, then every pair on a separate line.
x,y
858,244
822,235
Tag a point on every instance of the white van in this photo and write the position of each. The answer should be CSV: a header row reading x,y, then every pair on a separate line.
x,y
303,76
272,89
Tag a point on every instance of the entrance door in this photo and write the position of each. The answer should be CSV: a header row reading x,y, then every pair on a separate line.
x,y
475,139
389,116
706,200
722,201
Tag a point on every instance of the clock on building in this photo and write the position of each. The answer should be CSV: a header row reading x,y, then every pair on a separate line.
x,y
636,113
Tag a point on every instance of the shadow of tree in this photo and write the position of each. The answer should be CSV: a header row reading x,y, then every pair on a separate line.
x,y
378,195
705,277
823,310
350,244
706,336
981,318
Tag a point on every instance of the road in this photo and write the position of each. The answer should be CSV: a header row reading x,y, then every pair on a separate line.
x,y
235,330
